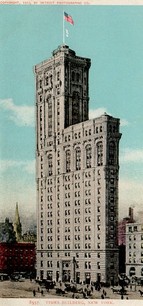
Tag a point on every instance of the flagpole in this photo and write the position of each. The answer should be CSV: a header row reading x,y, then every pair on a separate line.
x,y
63,29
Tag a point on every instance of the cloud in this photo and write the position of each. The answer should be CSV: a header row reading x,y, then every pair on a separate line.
x,y
26,166
30,167
124,122
130,195
21,115
21,191
94,113
131,155
17,184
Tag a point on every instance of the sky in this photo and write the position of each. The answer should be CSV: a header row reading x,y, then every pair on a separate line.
x,y
112,37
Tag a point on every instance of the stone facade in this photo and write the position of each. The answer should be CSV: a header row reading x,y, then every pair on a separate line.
x,y
77,176
122,239
122,227
134,249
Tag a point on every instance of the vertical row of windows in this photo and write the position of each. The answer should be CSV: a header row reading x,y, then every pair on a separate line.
x,y
87,211
49,213
67,211
88,156
111,216
112,153
78,159
99,154
41,123
98,209
50,165
68,161
58,115
49,117
41,206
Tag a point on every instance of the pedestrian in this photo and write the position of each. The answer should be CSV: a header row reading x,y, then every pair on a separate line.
x,y
34,292
41,292
84,294
102,296
122,297
38,289
105,293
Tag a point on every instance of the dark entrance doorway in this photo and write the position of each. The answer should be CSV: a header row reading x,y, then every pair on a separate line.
x,y
77,277
87,278
98,277
66,276
66,272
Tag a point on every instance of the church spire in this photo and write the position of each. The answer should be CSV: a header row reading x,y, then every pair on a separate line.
x,y
17,224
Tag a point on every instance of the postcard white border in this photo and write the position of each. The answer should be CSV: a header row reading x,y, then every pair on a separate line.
x,y
55,301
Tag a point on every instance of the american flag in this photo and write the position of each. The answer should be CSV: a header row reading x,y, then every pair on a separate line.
x,y
68,18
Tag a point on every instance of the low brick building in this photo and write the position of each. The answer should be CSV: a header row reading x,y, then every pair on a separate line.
x,y
17,257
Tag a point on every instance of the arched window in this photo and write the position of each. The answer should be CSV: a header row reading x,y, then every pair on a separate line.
x,y
50,165
77,77
68,161
78,158
88,156
73,76
112,153
58,76
40,83
110,128
99,153
47,80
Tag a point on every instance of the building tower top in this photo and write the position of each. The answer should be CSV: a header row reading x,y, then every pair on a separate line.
x,y
17,224
17,218
65,49
62,88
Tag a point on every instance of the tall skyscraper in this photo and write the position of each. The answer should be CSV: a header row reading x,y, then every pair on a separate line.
x,y
77,163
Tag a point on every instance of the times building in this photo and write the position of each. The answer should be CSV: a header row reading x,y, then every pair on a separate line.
x,y
77,170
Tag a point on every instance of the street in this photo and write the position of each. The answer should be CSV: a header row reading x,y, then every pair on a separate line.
x,y
25,289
